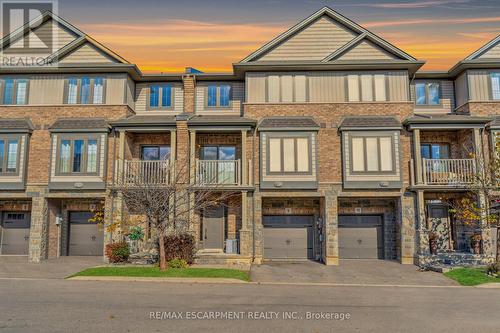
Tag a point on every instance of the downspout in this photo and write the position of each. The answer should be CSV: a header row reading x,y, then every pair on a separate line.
x,y
253,196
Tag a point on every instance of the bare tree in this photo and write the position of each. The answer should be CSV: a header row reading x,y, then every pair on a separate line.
x,y
168,195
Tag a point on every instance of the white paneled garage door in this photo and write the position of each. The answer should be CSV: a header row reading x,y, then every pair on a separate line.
x,y
85,238
360,237
15,234
288,237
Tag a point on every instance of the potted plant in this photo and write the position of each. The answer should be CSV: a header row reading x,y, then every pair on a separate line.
x,y
135,235
433,242
475,243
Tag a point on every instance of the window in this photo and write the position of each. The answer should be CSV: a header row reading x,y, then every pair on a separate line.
x,y
427,93
85,90
14,91
79,155
219,153
155,153
372,154
289,155
9,155
495,86
366,88
286,88
218,96
160,96
435,151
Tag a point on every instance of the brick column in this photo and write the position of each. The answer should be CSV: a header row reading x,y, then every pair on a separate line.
x,y
331,230
39,229
189,93
418,157
407,216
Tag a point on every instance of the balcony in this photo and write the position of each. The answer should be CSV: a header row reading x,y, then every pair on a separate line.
x,y
144,173
448,172
220,173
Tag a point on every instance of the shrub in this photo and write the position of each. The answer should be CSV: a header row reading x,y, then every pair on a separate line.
x,y
178,263
493,269
180,247
117,252
136,233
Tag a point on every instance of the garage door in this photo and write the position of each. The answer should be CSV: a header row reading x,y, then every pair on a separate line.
x,y
360,237
85,238
15,235
288,237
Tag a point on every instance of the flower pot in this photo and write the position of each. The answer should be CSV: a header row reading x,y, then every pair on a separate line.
x,y
433,246
476,247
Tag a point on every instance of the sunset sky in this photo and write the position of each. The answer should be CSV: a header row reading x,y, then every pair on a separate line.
x,y
167,36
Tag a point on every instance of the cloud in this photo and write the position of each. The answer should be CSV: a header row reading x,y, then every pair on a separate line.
x,y
418,4
431,21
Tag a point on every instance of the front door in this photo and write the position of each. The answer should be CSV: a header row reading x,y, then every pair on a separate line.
x,y
85,238
213,228
15,235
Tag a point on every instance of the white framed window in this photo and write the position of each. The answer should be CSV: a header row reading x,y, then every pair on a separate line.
x,y
218,96
14,91
160,96
373,154
9,155
78,155
495,86
366,88
289,154
85,90
428,93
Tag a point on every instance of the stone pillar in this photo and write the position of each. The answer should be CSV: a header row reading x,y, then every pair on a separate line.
x,y
418,157
39,229
423,251
257,240
245,232
407,216
331,230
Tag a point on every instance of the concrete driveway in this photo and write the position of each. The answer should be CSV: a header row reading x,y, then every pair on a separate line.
x,y
359,271
19,267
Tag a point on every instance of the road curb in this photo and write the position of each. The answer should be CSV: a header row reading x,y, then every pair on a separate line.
x,y
160,279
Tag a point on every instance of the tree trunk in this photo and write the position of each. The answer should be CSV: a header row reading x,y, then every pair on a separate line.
x,y
498,244
163,259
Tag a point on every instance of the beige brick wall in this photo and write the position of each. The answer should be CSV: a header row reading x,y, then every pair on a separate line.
x,y
329,140
44,116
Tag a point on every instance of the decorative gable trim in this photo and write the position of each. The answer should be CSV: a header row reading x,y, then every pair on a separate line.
x,y
488,46
337,17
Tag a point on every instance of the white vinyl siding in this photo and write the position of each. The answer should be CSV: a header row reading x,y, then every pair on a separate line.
x,y
300,88
273,89
366,88
353,88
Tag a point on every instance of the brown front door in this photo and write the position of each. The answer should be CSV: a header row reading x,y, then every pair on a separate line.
x,y
213,228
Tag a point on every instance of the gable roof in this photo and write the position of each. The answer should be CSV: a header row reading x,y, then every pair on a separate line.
x,y
361,32
494,43
80,38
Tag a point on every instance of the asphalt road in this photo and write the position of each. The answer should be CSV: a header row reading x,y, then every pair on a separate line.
x,y
54,305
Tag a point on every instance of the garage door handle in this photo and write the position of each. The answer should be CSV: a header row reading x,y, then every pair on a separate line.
x,y
93,238
360,241
205,234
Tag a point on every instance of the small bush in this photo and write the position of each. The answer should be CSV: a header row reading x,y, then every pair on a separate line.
x,y
180,247
493,269
117,252
136,233
178,263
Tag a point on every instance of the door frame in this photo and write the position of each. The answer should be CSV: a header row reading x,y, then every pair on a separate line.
x,y
382,225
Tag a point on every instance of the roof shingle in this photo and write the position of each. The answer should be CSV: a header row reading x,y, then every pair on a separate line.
x,y
367,122
288,123
79,124
16,125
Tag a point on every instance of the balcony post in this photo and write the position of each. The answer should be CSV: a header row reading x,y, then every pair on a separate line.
x,y
418,156
192,155
243,165
173,154
121,154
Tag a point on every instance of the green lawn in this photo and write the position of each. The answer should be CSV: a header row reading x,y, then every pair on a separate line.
x,y
471,276
171,272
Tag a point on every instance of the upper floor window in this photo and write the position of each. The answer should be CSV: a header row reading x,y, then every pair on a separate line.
x,y
9,155
78,155
220,153
372,154
14,91
160,96
289,155
495,86
219,95
366,88
155,153
85,90
435,150
427,93
286,88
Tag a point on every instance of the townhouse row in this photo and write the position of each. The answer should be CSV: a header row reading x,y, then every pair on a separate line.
x,y
331,141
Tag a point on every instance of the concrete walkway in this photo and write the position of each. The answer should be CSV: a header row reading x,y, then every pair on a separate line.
x,y
19,267
369,272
